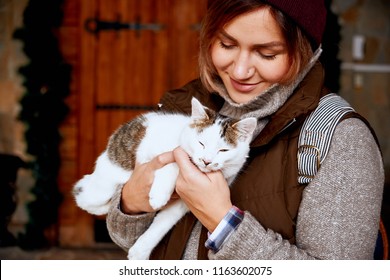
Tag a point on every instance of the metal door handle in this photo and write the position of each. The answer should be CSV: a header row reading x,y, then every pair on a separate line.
x,y
94,25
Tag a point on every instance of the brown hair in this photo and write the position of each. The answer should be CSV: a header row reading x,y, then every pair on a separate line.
x,y
220,13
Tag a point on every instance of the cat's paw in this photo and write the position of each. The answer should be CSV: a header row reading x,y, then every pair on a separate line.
x,y
163,185
158,199
138,253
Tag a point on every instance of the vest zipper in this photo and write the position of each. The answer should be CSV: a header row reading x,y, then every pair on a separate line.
x,y
288,125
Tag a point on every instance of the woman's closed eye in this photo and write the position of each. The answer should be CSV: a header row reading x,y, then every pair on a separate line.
x,y
267,56
225,45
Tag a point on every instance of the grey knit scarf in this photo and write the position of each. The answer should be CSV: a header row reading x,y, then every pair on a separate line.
x,y
267,102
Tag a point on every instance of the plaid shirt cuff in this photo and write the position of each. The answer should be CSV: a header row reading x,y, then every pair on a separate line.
x,y
224,229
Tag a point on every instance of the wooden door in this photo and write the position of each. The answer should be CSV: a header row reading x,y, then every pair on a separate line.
x,y
142,49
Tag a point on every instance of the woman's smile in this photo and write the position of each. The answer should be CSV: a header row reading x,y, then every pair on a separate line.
x,y
243,87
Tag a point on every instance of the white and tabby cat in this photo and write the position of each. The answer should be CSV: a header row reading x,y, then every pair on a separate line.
x,y
213,142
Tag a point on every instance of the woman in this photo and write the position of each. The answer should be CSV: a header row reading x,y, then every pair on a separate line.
x,y
260,58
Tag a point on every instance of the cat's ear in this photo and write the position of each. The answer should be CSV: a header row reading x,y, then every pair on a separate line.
x,y
198,111
245,128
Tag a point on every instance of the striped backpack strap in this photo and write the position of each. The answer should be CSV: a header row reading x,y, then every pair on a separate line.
x,y
316,135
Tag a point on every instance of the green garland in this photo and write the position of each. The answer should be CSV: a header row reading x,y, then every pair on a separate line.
x,y
46,81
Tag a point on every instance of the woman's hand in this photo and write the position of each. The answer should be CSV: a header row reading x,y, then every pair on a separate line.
x,y
206,194
135,193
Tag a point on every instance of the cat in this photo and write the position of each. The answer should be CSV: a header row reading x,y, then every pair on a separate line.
x,y
212,141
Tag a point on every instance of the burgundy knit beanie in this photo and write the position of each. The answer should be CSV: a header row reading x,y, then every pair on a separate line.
x,y
310,15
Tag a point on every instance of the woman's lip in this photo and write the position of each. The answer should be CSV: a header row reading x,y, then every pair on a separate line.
x,y
243,87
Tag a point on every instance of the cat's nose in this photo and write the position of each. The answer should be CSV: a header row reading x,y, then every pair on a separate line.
x,y
206,162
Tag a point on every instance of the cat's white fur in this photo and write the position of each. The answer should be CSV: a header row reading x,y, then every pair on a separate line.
x,y
165,132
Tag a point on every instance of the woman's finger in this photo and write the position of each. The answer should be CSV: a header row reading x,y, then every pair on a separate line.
x,y
161,160
185,164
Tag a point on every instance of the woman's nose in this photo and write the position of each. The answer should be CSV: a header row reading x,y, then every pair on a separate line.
x,y
242,67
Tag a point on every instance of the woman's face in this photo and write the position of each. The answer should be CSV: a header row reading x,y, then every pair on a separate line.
x,y
250,55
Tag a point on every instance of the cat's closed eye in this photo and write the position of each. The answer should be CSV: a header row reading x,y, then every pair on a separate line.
x,y
223,150
201,144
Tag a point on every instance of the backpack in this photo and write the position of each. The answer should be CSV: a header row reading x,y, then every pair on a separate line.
x,y
313,146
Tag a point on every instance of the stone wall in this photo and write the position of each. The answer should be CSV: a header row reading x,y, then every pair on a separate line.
x,y
11,57
365,80
11,90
